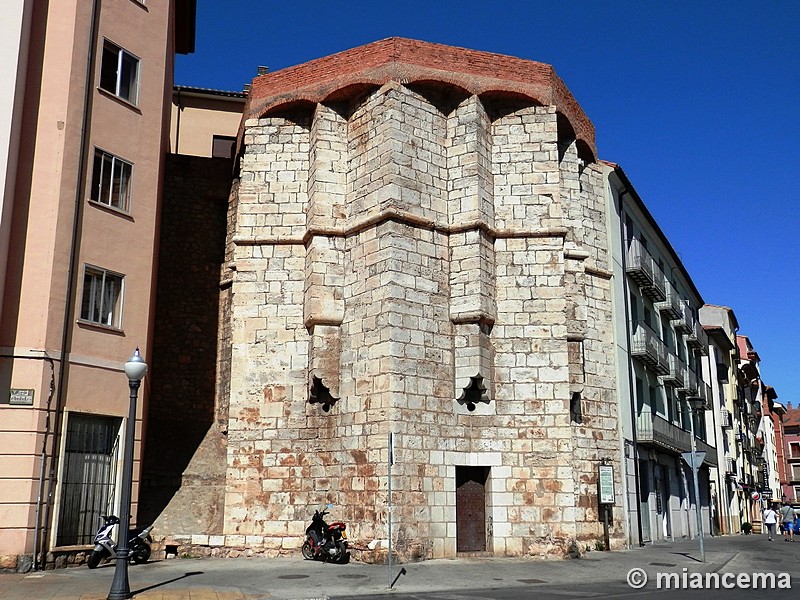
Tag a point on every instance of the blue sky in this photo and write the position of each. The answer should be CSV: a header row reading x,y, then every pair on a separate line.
x,y
699,103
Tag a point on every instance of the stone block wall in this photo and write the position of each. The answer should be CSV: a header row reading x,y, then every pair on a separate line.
x,y
432,263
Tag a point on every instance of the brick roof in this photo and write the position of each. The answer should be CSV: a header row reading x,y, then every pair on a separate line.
x,y
792,417
409,61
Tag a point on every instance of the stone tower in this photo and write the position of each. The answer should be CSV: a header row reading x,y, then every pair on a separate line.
x,y
418,247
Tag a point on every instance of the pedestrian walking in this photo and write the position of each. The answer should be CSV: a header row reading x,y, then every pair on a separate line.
x,y
786,514
770,519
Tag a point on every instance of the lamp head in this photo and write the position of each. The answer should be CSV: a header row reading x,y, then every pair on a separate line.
x,y
135,368
697,404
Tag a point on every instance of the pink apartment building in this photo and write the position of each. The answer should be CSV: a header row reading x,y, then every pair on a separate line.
x,y
85,92
791,434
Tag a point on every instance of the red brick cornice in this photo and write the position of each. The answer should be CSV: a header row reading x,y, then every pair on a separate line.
x,y
408,61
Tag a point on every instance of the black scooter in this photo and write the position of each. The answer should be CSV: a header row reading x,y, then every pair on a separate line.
x,y
139,541
324,541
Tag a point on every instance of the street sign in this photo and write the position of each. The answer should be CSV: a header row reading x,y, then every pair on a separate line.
x,y
694,460
20,397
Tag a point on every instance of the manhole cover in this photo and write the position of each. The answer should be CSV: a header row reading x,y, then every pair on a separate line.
x,y
292,577
351,576
657,564
531,580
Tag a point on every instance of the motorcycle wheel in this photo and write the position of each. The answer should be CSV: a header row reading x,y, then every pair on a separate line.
x,y
307,550
94,559
141,554
344,555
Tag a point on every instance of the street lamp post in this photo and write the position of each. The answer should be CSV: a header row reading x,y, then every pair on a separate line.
x,y
135,369
696,405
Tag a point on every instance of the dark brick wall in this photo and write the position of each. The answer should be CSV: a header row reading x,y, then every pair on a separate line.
x,y
183,362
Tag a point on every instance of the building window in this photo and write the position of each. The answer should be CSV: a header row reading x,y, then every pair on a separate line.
x,y
119,73
102,297
794,449
223,146
111,181
795,472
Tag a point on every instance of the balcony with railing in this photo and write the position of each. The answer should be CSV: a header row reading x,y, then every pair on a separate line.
x,y
677,371
711,452
743,439
730,465
683,323
725,418
690,384
641,267
698,338
648,348
702,392
672,305
655,430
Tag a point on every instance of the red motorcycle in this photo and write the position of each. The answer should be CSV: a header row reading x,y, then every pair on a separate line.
x,y
324,541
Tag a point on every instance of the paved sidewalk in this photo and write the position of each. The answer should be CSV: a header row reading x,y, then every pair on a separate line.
x,y
294,578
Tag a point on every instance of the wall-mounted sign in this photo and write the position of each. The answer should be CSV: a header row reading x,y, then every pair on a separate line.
x,y
20,397
606,479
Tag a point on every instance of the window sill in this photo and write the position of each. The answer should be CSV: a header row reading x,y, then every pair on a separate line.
x,y
116,211
122,101
100,327
75,548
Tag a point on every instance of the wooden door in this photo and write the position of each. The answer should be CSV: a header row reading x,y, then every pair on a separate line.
x,y
471,508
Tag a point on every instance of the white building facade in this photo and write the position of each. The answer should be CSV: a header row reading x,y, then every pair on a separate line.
x,y
660,350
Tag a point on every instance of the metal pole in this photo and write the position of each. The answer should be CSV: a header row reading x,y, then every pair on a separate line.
x,y
120,587
696,489
389,515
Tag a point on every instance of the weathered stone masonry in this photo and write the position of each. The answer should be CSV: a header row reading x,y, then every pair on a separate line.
x,y
419,247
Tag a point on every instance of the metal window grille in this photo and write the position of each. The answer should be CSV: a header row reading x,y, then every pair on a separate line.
x,y
89,477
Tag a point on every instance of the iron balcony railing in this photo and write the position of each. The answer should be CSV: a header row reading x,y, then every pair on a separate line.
x,y
672,305
698,338
694,387
711,453
677,371
641,267
730,465
725,418
658,431
690,384
683,324
648,348
655,430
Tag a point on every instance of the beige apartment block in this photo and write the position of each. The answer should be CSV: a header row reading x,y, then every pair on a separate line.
x,y
84,138
419,251
204,122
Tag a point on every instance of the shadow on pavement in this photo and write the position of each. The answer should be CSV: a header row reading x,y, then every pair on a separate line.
x,y
150,587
